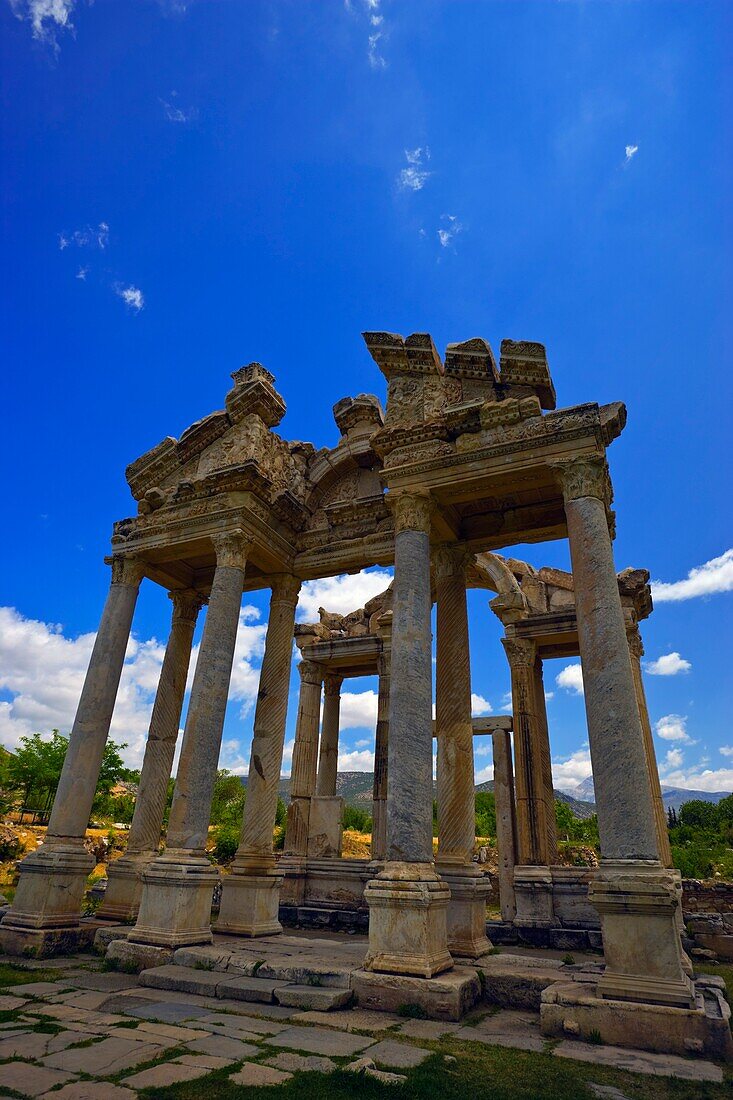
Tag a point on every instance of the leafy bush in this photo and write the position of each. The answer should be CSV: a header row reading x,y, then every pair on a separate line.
x,y
357,819
227,839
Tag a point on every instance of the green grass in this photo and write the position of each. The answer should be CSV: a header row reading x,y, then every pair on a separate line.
x,y
20,975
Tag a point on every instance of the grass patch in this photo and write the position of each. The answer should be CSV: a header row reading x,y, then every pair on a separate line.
x,y
21,975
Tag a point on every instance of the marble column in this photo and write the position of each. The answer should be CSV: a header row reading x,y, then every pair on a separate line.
x,y
636,652
506,822
407,900
543,740
325,828
44,916
175,906
124,877
251,893
302,783
455,771
381,748
634,895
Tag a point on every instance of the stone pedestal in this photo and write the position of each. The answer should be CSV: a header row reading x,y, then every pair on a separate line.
x,y
124,877
175,907
325,827
466,918
634,895
251,893
407,901
533,895
44,916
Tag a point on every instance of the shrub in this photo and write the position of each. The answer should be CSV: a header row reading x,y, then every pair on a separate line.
x,y
226,839
357,819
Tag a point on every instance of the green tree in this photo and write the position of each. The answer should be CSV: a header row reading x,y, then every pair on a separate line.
x,y
485,811
700,815
34,770
357,819
227,803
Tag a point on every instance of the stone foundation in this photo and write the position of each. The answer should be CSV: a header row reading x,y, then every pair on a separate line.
x,y
447,997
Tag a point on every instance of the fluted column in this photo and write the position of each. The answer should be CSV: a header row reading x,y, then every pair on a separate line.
x,y
305,758
454,731
175,907
124,881
251,893
328,755
633,893
543,742
407,901
506,822
636,652
381,749
45,911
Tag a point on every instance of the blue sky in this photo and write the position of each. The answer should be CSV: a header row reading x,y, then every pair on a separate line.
x,y
190,186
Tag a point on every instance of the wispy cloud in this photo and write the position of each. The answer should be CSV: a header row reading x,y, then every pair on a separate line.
x,y
571,679
670,664
726,750
132,297
673,727
631,151
449,230
673,759
89,237
415,175
46,18
714,576
370,11
82,273
175,113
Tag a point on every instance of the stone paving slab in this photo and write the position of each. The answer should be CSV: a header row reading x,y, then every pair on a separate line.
x,y
170,1073
640,1061
90,1090
109,981
41,989
164,1011
313,997
397,1055
254,1075
35,1044
317,1040
249,989
110,1056
223,1046
250,1024
181,979
88,999
208,1060
31,1080
169,1031
427,1029
499,1039
9,1002
250,1008
293,1063
357,1019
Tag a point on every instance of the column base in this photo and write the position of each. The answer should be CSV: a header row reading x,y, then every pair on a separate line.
x,y
466,917
408,921
46,912
637,903
325,829
533,896
250,904
175,907
121,900
295,878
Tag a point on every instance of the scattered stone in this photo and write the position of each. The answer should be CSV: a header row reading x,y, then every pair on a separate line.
x,y
294,1062
169,1073
319,1041
397,1055
252,1075
31,1080
223,1046
640,1061
313,997
571,1027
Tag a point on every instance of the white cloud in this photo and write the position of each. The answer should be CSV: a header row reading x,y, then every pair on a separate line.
x,y
174,113
132,297
415,175
631,151
450,230
341,594
46,17
358,710
700,778
363,744
549,695
571,679
673,727
82,273
714,576
356,761
370,10
89,237
667,665
673,759
569,771
506,702
479,705
484,774
726,750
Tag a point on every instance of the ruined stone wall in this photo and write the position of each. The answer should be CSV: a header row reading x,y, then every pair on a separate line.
x,y
706,897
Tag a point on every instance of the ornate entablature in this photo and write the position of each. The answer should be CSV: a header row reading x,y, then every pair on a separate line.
x,y
485,442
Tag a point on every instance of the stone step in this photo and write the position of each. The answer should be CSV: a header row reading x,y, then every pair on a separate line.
x,y
213,983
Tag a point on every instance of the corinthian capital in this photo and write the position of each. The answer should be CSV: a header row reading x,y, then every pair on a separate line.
x,y
187,603
450,561
310,672
231,548
412,511
585,476
126,569
286,588
332,683
520,652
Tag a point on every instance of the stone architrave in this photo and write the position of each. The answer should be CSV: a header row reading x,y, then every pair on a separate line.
x,y
325,828
175,906
251,893
634,895
407,900
44,916
506,821
455,770
305,759
381,748
124,877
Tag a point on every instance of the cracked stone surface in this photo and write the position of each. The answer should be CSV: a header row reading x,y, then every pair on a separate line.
x,y
640,1061
170,1073
292,1062
31,1080
397,1055
253,1075
107,1057
320,1041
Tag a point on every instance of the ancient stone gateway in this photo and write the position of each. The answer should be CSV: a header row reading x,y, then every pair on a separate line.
x,y
469,458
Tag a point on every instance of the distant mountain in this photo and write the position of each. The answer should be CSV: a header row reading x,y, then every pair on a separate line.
x,y
673,796
356,790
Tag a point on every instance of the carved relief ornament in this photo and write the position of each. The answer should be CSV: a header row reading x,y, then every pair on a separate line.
x,y
412,511
450,561
636,646
586,476
232,548
126,569
187,603
520,652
